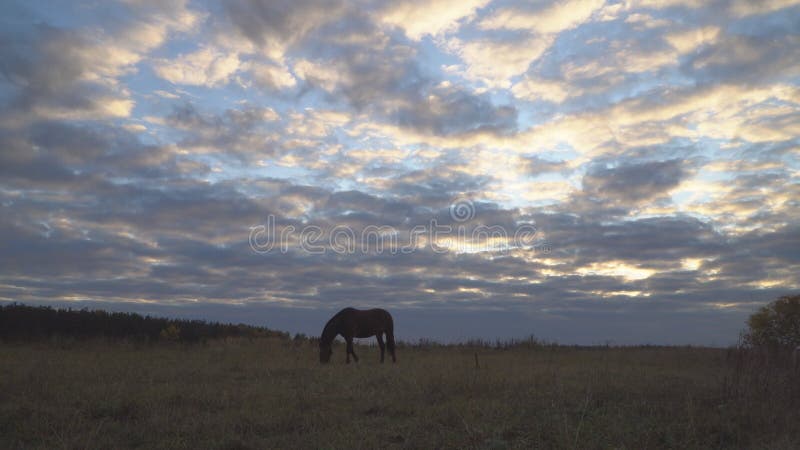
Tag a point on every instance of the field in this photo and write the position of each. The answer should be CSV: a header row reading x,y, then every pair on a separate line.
x,y
273,393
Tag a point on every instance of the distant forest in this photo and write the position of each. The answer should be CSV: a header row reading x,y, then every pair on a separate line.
x,y
22,322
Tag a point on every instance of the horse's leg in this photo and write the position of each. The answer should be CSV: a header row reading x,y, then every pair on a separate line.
x,y
390,344
350,350
380,344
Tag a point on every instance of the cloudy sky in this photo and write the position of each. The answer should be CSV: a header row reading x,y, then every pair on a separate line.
x,y
152,152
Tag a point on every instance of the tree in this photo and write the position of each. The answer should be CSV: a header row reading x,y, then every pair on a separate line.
x,y
776,324
171,333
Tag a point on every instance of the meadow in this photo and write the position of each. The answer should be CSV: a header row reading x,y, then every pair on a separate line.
x,y
273,393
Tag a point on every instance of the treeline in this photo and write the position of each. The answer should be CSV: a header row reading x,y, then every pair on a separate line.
x,y
22,322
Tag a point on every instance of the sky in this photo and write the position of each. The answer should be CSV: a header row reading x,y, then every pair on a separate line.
x,y
584,171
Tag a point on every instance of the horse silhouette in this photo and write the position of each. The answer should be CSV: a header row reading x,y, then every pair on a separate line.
x,y
350,323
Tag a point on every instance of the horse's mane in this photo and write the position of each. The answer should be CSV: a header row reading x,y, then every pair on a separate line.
x,y
329,332
328,326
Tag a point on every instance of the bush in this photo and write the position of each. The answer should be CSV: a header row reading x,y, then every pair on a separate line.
x,y
171,333
776,324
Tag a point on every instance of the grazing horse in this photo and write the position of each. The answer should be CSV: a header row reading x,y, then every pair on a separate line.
x,y
350,323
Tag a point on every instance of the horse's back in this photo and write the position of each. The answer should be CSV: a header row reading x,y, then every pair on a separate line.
x,y
373,312
368,322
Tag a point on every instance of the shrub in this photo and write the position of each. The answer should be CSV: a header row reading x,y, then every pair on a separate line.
x,y
776,324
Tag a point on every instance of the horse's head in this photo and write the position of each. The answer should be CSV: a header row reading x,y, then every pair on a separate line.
x,y
325,353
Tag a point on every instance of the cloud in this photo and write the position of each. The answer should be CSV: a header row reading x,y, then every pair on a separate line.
x,y
548,20
450,111
272,76
767,57
204,67
535,165
549,90
61,74
65,74
402,94
496,61
689,40
742,8
420,18
247,133
633,183
325,76
710,111
274,26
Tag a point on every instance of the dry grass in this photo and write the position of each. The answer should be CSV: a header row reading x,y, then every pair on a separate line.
x,y
272,393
